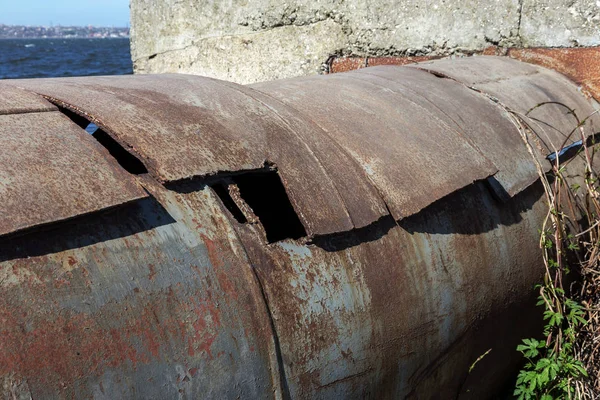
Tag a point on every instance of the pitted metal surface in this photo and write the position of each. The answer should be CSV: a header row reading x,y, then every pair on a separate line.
x,y
18,101
166,284
382,129
483,124
152,300
183,127
522,87
52,170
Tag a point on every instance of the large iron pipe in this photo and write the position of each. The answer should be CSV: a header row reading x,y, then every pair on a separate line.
x,y
361,235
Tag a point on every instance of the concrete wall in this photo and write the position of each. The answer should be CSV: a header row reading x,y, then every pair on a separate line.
x,y
256,40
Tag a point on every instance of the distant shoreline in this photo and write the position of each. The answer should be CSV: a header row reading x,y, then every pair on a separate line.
x,y
62,38
62,32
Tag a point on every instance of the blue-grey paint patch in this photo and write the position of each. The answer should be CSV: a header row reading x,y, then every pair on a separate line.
x,y
567,149
91,128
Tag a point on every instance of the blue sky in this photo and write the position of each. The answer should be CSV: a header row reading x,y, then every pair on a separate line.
x,y
65,12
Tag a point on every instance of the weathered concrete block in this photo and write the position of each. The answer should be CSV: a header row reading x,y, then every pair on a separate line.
x,y
258,40
251,57
263,39
559,23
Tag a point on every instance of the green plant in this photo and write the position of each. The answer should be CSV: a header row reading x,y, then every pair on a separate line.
x,y
549,373
557,366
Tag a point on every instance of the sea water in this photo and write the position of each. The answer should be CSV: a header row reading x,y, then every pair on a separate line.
x,y
43,58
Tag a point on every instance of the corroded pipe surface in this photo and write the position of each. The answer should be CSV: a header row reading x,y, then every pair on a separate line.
x,y
361,235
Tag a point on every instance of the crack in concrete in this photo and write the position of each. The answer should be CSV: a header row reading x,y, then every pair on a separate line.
x,y
220,36
519,20
265,19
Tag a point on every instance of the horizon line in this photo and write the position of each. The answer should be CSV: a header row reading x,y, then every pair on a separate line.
x,y
65,26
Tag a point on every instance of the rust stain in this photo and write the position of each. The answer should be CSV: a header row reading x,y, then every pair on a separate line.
x,y
344,64
206,329
213,251
581,64
152,273
375,61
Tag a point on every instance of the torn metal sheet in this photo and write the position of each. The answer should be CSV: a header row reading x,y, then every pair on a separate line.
x,y
168,121
51,170
361,199
183,127
475,70
522,88
486,126
411,157
18,101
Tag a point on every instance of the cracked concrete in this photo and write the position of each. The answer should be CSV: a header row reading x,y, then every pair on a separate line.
x,y
258,40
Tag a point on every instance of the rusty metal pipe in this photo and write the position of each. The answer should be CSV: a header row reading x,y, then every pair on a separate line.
x,y
361,235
